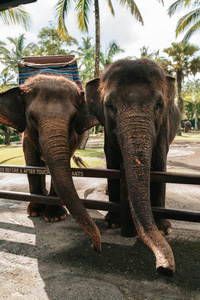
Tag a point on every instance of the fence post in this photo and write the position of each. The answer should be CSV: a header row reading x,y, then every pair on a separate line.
x,y
127,226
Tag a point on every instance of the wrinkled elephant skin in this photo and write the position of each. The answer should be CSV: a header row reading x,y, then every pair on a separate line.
x,y
52,113
134,100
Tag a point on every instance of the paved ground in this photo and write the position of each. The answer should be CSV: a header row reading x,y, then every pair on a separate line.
x,y
43,261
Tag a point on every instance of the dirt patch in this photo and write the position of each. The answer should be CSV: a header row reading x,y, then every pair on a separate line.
x,y
54,261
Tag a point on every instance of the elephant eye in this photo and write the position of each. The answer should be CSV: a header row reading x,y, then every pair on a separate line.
x,y
33,120
159,104
111,108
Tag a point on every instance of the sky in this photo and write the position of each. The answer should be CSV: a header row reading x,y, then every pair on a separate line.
x,y
157,33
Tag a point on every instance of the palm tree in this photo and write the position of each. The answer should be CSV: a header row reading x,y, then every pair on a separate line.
x,y
112,50
183,63
192,96
83,8
190,21
11,57
86,57
145,53
16,16
12,16
7,79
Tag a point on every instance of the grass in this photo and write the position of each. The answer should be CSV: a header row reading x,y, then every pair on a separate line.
x,y
90,157
13,155
189,136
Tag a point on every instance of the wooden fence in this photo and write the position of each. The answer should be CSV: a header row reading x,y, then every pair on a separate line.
x,y
122,207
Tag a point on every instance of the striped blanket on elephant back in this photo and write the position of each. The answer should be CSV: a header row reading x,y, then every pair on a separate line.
x,y
65,65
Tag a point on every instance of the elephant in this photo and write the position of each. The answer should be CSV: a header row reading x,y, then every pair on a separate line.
x,y
134,101
50,110
187,126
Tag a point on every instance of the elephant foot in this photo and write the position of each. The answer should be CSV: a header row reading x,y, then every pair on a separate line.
x,y
164,226
112,220
54,213
35,209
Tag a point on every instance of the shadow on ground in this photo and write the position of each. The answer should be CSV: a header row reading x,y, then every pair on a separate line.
x,y
60,264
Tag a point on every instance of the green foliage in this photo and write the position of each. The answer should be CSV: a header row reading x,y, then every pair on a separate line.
x,y
82,9
86,56
191,94
16,16
14,139
10,134
155,56
190,22
11,57
182,55
50,42
182,63
113,49
6,86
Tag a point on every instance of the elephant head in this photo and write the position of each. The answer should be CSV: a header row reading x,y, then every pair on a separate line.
x,y
51,110
133,100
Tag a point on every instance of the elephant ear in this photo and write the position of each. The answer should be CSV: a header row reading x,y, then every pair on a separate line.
x,y
12,109
84,119
93,98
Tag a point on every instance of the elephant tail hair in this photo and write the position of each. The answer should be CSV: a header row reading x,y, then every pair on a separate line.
x,y
79,162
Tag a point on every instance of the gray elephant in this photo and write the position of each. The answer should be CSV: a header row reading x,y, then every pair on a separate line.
x,y
134,100
187,126
50,110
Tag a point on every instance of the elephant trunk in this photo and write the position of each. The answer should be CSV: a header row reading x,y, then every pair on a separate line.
x,y
56,149
135,136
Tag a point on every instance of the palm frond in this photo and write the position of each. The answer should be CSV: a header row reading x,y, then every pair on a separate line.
x,y
131,5
191,31
20,43
111,7
176,6
186,20
61,10
83,9
5,71
16,16
114,48
182,4
162,1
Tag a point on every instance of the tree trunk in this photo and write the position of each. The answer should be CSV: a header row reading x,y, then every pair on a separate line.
x,y
179,76
180,103
7,133
97,38
195,119
84,142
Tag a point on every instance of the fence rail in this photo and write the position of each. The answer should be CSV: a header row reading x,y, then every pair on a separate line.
x,y
122,207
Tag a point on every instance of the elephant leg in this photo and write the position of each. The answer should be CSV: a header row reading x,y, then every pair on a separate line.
x,y
36,182
158,189
54,213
